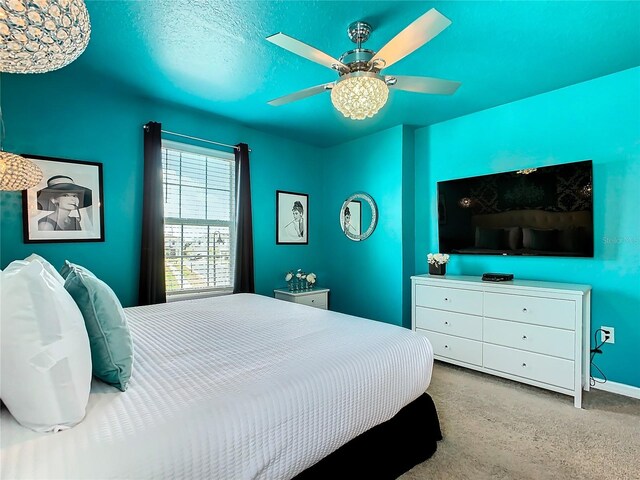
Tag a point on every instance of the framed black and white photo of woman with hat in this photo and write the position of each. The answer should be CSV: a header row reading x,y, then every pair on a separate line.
x,y
292,218
66,206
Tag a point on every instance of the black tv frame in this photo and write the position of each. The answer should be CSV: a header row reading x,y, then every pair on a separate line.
x,y
559,239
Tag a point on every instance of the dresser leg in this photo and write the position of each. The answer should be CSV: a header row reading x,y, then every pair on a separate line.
x,y
577,398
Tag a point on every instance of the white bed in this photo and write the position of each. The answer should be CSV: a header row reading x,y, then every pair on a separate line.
x,y
233,387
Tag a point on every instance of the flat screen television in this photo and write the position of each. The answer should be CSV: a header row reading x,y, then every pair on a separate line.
x,y
534,211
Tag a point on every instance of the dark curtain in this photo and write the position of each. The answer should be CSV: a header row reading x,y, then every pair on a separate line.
x,y
243,281
152,280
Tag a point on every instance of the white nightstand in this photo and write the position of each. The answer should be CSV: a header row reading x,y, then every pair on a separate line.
x,y
315,298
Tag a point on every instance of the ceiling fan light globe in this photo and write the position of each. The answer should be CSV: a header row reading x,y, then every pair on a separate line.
x,y
359,96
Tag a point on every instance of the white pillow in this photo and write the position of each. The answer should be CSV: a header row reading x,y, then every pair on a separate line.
x,y
45,361
47,266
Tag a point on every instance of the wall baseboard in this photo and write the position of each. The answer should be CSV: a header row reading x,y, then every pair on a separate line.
x,y
619,388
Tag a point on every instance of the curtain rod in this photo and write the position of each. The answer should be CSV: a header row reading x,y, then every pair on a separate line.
x,y
198,139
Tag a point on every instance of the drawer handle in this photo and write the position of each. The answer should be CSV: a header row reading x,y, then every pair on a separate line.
x,y
312,300
446,299
524,364
524,337
446,323
524,310
446,346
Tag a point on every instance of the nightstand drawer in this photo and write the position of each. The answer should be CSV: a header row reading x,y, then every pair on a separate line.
x,y
542,368
450,299
533,338
449,323
455,348
315,300
550,312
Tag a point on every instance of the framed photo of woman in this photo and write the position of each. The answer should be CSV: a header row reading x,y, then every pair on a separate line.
x,y
292,218
67,205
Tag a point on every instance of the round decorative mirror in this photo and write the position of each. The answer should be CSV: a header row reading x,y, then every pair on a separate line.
x,y
358,216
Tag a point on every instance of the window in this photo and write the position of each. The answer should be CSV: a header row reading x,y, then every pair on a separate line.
x,y
199,216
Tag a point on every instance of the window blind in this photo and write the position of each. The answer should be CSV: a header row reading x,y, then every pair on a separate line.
x,y
199,211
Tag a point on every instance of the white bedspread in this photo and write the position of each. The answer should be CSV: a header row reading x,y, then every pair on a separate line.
x,y
233,387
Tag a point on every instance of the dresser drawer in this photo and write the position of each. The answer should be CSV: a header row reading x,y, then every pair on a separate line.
x,y
550,312
455,348
450,323
533,338
451,299
545,369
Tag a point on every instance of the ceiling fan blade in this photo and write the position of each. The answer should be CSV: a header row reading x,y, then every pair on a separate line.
x,y
413,37
304,50
300,94
436,86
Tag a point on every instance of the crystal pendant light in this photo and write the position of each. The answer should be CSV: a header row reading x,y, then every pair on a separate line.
x,y
360,95
38,36
16,172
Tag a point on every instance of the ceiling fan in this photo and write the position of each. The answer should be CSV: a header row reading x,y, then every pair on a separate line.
x,y
361,89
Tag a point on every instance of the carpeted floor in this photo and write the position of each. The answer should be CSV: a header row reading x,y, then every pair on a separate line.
x,y
495,428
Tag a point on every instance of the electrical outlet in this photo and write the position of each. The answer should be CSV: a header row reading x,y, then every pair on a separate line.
x,y
611,333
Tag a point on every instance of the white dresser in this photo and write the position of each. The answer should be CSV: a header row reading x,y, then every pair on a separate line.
x,y
528,331
318,298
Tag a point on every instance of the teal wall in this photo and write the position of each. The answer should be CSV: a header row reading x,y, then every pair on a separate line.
x,y
366,278
597,120
61,115
408,220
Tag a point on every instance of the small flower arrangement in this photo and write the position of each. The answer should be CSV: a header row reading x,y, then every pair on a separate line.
x,y
300,280
437,258
437,263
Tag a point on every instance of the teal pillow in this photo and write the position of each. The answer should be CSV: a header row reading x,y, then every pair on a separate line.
x,y
68,267
109,336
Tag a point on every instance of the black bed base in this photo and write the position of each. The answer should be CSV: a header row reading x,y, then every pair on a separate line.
x,y
387,450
